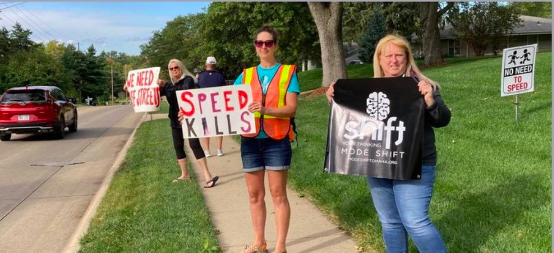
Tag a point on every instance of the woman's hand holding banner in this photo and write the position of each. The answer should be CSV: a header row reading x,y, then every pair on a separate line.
x,y
216,111
376,128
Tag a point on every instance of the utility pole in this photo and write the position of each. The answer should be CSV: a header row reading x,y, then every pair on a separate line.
x,y
111,66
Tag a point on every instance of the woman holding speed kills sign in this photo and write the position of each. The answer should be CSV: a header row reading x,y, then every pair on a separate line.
x,y
403,205
275,91
182,79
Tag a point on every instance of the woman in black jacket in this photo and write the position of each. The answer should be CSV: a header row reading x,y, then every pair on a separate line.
x,y
403,205
182,79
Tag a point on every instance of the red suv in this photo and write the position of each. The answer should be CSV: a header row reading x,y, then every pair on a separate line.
x,y
36,109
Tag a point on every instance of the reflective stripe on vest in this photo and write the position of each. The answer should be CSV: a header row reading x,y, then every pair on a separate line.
x,y
275,127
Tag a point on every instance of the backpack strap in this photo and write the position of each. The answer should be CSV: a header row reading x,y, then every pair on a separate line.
x,y
293,124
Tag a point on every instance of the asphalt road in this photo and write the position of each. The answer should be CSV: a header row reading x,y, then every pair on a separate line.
x,y
47,184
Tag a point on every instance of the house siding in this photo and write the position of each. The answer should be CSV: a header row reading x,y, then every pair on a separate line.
x,y
534,30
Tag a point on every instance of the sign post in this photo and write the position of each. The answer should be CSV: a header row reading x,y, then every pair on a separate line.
x,y
518,71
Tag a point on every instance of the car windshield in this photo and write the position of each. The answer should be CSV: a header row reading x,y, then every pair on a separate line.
x,y
24,95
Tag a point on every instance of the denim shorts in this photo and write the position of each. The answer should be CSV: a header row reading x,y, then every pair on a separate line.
x,y
265,153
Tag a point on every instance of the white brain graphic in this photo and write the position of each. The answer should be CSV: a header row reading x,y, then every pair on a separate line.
x,y
378,106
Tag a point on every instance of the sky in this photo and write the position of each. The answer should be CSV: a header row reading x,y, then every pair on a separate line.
x,y
109,26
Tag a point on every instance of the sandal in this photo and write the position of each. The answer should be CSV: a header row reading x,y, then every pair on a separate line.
x,y
256,249
213,181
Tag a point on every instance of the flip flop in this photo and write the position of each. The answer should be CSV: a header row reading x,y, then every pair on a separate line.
x,y
213,181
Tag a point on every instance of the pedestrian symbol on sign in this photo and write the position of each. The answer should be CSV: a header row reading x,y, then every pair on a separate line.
x,y
525,56
513,57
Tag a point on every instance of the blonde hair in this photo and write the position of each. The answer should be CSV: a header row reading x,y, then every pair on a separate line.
x,y
411,69
184,71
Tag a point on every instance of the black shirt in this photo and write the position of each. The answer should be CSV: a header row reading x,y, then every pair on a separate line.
x,y
169,91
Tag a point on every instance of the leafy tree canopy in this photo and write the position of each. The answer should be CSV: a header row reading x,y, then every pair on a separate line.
x,y
483,24
230,26
535,9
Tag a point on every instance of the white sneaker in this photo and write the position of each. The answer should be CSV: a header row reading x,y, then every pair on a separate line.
x,y
219,152
207,153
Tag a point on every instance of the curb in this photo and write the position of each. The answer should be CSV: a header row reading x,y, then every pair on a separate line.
x,y
73,245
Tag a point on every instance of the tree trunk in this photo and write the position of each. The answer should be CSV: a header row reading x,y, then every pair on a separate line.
x,y
328,19
430,32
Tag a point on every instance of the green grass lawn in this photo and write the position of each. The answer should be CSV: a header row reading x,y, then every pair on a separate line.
x,y
143,211
492,192
493,186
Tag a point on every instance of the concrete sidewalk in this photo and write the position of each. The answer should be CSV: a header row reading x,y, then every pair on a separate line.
x,y
310,230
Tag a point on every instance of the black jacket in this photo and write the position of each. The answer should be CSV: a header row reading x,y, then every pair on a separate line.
x,y
436,116
169,91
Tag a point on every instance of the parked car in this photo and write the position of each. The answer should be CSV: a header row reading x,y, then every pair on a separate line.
x,y
36,109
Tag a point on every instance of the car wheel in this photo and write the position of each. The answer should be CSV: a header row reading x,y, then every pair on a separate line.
x,y
5,137
60,132
73,127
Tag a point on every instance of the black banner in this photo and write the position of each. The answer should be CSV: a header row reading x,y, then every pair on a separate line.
x,y
376,128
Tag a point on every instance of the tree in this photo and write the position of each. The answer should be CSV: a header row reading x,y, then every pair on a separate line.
x,y
73,63
115,63
535,9
35,67
87,72
23,62
375,31
21,38
401,18
5,47
430,14
226,32
54,48
13,42
328,19
483,24
231,40
94,82
180,39
355,19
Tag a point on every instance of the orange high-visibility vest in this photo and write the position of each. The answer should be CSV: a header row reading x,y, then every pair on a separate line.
x,y
276,128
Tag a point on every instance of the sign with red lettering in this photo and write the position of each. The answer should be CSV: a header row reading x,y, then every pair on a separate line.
x,y
216,111
518,70
143,90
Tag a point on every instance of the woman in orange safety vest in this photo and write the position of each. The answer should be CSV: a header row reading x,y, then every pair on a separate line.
x,y
275,92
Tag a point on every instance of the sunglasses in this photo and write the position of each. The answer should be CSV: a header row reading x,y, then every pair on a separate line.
x,y
174,68
260,43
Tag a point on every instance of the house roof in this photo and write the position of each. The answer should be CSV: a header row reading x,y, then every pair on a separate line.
x,y
529,26
534,25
